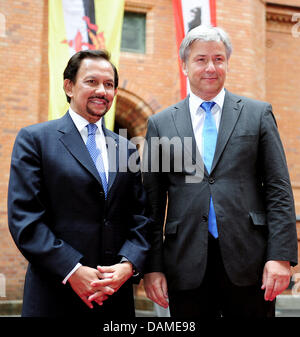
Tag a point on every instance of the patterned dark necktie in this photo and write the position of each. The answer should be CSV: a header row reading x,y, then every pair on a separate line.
x,y
96,154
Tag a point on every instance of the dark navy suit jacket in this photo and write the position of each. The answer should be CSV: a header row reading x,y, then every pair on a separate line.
x,y
58,215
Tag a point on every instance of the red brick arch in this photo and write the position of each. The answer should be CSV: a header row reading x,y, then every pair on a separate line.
x,y
132,112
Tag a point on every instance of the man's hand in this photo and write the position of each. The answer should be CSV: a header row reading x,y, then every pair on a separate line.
x,y
156,288
112,276
276,278
81,281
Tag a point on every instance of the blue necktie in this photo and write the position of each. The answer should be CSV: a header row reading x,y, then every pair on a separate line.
x,y
210,135
96,154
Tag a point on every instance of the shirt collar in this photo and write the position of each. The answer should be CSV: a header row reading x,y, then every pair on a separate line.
x,y
195,101
81,122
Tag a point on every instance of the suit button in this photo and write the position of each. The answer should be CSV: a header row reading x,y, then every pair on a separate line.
x,y
101,194
211,180
204,218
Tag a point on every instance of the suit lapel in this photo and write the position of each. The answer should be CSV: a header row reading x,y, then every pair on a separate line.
x,y
72,140
183,124
231,110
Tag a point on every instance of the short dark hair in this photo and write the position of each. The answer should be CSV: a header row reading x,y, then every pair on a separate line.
x,y
74,63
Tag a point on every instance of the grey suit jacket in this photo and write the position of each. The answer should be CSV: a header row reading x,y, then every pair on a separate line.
x,y
249,184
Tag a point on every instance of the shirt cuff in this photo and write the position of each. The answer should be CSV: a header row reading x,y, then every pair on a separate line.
x,y
71,273
135,272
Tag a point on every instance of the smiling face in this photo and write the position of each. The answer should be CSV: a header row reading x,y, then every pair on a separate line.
x,y
93,91
206,68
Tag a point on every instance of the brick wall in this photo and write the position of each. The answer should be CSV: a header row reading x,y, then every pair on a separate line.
x,y
20,76
263,65
282,83
159,84
245,23
282,87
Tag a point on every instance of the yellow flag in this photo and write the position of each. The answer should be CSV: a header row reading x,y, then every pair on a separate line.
x,y
76,25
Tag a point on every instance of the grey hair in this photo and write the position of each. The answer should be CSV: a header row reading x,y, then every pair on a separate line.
x,y
204,33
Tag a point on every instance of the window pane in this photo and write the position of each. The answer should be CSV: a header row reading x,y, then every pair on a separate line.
x,y
133,32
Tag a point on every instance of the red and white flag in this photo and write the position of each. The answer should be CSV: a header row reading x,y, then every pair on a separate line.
x,y
189,14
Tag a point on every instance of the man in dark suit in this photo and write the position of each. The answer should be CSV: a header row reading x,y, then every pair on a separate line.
x,y
230,230
75,209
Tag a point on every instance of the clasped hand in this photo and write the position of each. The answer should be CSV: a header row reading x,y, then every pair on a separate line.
x,y
96,285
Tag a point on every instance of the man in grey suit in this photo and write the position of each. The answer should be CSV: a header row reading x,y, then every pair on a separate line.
x,y
222,244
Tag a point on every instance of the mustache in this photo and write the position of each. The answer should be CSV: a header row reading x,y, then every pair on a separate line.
x,y
100,97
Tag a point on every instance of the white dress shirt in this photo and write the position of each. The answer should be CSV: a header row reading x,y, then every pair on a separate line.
x,y
198,115
81,124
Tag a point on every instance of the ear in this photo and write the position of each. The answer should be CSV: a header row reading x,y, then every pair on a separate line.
x,y
184,68
68,87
